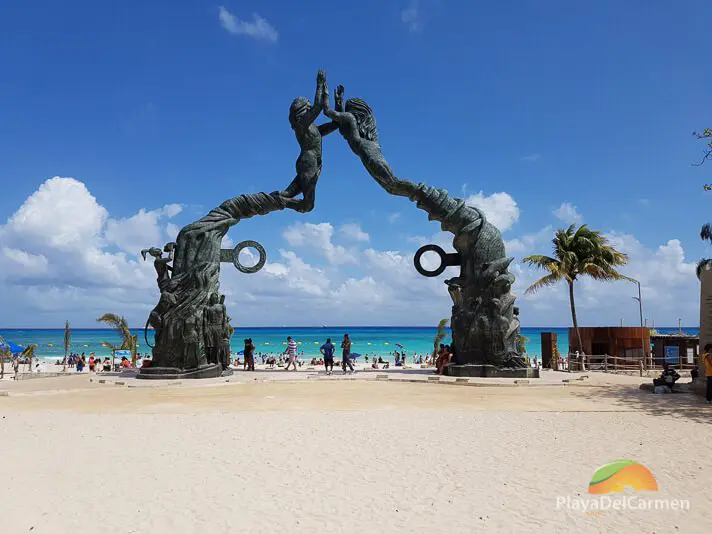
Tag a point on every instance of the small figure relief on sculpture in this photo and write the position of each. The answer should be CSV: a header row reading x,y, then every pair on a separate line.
x,y
161,264
214,324
302,115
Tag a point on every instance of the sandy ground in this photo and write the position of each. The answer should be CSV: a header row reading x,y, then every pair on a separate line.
x,y
301,453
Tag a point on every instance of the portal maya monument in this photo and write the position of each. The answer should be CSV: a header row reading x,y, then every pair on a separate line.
x,y
190,321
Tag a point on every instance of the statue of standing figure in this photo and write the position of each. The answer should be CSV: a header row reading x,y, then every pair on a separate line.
x,y
214,327
191,343
224,351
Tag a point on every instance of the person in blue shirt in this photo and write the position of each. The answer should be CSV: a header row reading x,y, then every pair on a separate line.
x,y
327,350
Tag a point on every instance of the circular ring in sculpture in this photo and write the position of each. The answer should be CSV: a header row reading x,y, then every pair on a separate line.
x,y
430,248
257,266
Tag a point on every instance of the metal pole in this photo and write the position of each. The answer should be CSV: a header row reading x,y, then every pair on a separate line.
x,y
639,298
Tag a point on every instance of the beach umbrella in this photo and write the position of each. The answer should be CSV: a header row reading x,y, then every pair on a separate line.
x,y
241,353
15,349
354,355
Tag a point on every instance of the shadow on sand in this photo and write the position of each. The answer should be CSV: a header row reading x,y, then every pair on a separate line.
x,y
679,405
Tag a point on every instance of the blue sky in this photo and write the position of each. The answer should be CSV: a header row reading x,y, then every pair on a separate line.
x,y
160,111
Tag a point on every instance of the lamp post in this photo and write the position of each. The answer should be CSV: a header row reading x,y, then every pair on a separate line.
x,y
639,298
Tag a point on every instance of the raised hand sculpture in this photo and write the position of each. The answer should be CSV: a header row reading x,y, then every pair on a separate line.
x,y
302,115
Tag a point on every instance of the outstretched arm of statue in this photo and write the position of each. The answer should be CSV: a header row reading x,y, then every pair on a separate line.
x,y
326,129
334,115
314,111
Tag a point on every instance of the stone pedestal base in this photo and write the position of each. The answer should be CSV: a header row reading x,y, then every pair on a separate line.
x,y
174,373
490,371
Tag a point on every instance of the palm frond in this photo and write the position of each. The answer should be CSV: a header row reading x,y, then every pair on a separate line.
x,y
546,281
119,324
540,261
28,351
439,336
706,232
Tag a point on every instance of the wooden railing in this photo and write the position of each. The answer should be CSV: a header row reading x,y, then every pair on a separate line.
x,y
614,364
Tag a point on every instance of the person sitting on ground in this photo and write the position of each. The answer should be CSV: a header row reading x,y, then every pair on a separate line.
x,y
374,365
668,377
444,360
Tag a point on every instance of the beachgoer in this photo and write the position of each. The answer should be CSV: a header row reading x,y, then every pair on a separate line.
x,y
250,354
92,364
80,365
327,350
291,352
107,365
707,360
346,354
667,378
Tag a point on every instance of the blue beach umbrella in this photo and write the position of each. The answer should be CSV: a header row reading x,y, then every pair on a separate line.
x,y
15,349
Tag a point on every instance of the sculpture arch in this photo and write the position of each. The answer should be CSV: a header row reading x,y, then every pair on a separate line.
x,y
485,323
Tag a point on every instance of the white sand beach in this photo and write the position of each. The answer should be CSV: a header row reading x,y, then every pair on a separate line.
x,y
301,452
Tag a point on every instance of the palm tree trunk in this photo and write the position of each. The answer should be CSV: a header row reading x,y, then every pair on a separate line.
x,y
573,317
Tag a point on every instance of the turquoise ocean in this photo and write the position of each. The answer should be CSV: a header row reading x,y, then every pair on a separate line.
x,y
381,341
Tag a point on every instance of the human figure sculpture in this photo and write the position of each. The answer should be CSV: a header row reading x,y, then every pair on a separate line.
x,y
357,125
161,264
191,343
214,326
302,115
224,350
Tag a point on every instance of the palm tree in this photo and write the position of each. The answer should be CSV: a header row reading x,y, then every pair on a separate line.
x,y
578,252
29,353
439,337
128,340
67,339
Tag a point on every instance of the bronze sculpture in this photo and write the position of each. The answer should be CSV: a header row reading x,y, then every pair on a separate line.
x,y
485,323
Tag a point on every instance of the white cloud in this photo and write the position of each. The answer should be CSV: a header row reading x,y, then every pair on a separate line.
x,y
568,213
172,231
354,232
141,230
499,208
526,244
64,257
410,16
669,289
393,217
318,237
259,28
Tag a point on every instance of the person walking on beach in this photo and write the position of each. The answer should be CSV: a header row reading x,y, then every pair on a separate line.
x,y
249,354
291,352
346,354
707,360
327,350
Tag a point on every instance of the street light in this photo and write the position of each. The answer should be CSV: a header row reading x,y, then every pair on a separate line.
x,y
639,298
